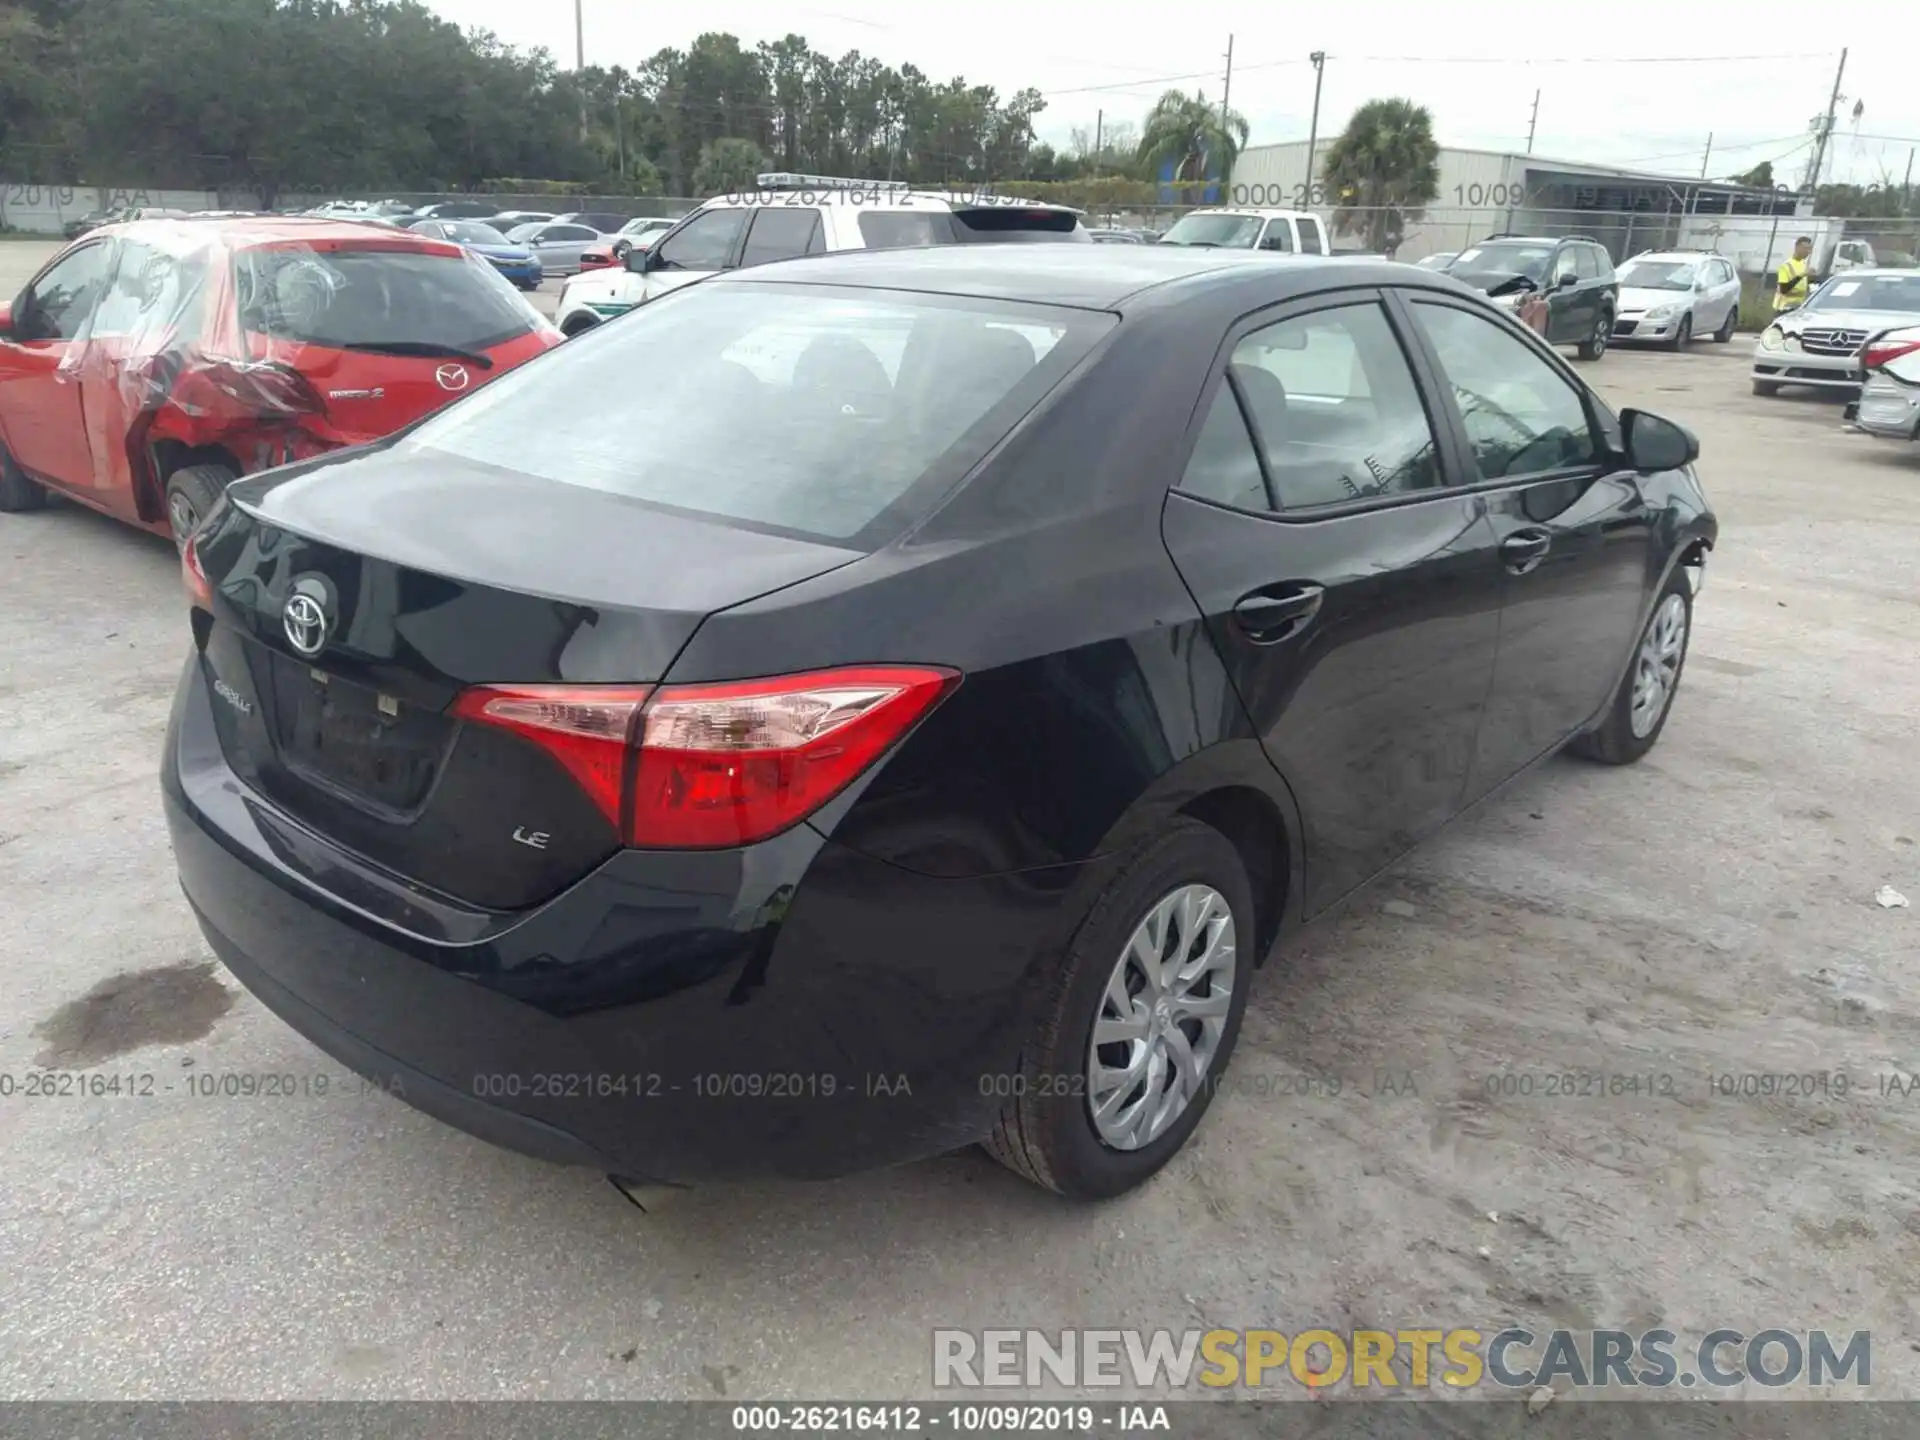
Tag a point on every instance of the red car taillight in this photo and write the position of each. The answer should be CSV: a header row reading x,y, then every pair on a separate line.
x,y
704,767
223,388
1881,351
199,587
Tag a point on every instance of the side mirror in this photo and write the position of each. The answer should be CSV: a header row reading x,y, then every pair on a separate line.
x,y
1566,281
639,261
1655,443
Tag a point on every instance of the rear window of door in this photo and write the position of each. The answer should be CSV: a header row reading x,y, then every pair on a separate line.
x,y
1335,414
153,297
1312,242
1522,417
780,233
567,234
705,242
830,412
1278,236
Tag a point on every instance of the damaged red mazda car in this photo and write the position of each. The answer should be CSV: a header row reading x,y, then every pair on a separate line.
x,y
149,364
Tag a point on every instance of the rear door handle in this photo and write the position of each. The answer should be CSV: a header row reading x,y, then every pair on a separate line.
x,y
1278,612
1524,549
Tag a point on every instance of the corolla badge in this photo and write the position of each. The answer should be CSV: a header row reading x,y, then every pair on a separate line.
x,y
307,617
453,377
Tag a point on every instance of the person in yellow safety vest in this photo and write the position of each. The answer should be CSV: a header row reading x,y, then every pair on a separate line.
x,y
1795,281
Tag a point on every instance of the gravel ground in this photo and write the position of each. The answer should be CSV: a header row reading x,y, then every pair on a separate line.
x,y
1708,912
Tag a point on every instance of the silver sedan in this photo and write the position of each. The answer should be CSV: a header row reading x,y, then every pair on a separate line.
x,y
557,245
1819,344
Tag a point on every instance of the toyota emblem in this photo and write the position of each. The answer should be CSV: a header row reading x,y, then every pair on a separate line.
x,y
305,621
452,377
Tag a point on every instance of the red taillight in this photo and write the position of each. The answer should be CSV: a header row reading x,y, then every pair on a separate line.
x,y
587,728
716,766
228,388
199,588
1882,351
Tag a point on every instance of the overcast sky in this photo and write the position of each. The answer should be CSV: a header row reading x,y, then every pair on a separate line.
x,y
1477,77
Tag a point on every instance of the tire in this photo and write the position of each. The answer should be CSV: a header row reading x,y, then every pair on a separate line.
x,y
620,249
1683,336
192,492
1047,1131
1766,387
1622,739
578,325
1595,345
18,494
1724,335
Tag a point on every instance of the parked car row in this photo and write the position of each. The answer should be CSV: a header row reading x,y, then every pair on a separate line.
x,y
785,217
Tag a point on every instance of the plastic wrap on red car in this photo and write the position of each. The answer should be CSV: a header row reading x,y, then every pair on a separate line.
x,y
230,324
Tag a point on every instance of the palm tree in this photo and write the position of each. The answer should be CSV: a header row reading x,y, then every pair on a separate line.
x,y
1196,136
1382,171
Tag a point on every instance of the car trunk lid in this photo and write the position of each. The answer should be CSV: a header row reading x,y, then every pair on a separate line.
x,y
357,598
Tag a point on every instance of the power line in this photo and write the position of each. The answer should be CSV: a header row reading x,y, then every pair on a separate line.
x,y
1521,60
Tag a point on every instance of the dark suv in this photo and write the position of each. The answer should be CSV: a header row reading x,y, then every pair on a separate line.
x,y
1574,273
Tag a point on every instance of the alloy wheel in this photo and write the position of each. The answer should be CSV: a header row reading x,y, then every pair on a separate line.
x,y
1656,667
1162,1016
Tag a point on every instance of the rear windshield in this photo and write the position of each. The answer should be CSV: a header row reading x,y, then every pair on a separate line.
x,y
991,223
828,412
887,229
345,298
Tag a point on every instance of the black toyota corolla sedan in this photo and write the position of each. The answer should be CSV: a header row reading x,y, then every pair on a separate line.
x,y
908,716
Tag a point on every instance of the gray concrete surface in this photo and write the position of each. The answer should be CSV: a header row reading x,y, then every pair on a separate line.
x,y
1707,912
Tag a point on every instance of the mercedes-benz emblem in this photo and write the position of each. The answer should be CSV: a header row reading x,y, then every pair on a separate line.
x,y
452,377
305,621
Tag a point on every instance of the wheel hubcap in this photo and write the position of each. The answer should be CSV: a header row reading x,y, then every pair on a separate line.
x,y
1161,1018
1656,668
184,517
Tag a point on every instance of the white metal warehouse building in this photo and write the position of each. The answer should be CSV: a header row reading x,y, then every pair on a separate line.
x,y
1487,192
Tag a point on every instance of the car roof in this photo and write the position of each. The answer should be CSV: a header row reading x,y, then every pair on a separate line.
x,y
1106,277
1678,255
188,234
908,200
1874,272
1263,212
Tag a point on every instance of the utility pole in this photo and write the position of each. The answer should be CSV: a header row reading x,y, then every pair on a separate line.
x,y
1226,94
580,62
1533,120
1906,185
1319,59
1707,158
1099,125
1826,128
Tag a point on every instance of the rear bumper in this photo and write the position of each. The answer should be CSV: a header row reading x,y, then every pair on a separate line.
x,y
1888,409
793,1009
